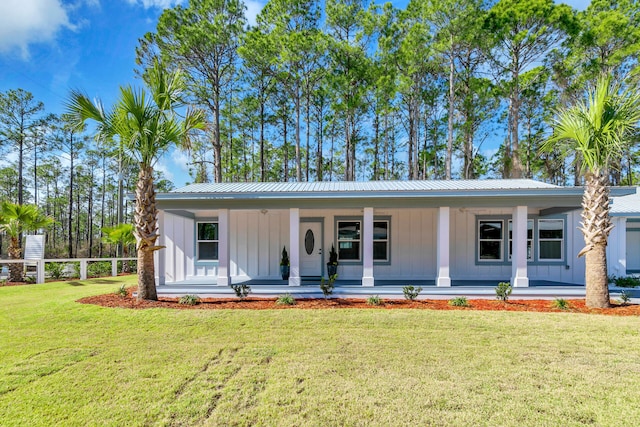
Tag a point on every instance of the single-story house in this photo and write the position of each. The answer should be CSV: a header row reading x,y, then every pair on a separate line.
x,y
384,232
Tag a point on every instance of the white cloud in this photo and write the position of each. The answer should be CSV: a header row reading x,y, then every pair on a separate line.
x,y
160,4
253,9
181,160
24,22
162,167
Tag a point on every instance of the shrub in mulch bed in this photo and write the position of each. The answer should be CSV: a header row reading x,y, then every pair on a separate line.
x,y
575,306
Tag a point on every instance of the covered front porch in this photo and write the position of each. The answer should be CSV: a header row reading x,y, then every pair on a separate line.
x,y
438,235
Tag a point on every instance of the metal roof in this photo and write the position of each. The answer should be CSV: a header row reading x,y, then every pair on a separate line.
x,y
369,186
626,205
377,194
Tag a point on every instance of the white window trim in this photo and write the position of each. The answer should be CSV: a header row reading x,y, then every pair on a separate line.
x,y
561,240
198,241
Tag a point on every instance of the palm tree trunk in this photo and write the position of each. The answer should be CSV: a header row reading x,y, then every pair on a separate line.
x,y
596,225
146,233
15,252
596,277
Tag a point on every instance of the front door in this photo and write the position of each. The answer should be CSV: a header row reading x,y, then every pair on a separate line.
x,y
311,249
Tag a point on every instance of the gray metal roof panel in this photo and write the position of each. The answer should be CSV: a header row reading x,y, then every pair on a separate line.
x,y
359,186
626,205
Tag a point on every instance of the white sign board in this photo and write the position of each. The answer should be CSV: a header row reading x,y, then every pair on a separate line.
x,y
34,247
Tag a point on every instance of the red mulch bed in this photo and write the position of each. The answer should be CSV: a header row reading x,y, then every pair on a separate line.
x,y
575,306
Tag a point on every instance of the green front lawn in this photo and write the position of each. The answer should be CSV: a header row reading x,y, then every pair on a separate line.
x,y
64,363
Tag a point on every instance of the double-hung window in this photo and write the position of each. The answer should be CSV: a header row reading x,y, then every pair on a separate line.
x,y
381,240
490,238
551,239
545,240
207,241
349,238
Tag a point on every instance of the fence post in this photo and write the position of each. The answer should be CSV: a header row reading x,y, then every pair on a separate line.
x,y
40,271
114,267
83,269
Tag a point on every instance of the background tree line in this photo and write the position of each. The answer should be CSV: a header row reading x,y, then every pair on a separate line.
x,y
338,90
349,90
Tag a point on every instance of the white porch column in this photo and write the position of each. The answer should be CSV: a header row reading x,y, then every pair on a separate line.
x,y
223,247
443,277
519,277
294,247
159,256
617,253
367,248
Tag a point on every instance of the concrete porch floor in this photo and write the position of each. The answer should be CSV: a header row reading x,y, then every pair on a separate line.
x,y
390,289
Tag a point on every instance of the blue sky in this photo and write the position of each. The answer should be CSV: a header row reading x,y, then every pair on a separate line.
x,y
50,46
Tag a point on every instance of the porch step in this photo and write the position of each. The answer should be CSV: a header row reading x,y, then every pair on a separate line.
x,y
388,292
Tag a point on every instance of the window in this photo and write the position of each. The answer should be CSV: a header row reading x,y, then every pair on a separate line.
x,y
551,239
490,240
381,240
207,241
529,239
349,240
545,240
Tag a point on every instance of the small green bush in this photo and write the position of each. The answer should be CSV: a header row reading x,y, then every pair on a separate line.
x,y
189,299
75,265
626,282
459,302
327,286
99,269
561,304
625,298
410,292
503,290
122,291
29,279
242,291
374,300
286,299
55,269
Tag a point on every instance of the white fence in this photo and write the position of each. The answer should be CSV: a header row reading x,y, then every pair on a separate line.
x,y
83,264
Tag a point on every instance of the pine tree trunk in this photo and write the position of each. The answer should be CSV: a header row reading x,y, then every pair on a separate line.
x,y
595,226
146,233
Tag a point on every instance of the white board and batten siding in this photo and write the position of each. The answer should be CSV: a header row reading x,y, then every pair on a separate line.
x,y
178,235
256,242
257,237
617,249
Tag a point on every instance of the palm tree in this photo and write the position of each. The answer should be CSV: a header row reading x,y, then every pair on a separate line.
x,y
121,234
14,220
598,128
145,126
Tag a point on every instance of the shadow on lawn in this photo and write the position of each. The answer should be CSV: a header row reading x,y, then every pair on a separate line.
x,y
94,281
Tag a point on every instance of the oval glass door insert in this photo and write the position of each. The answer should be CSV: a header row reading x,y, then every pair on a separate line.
x,y
309,242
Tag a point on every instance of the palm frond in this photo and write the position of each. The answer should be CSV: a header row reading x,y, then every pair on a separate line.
x,y
598,126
